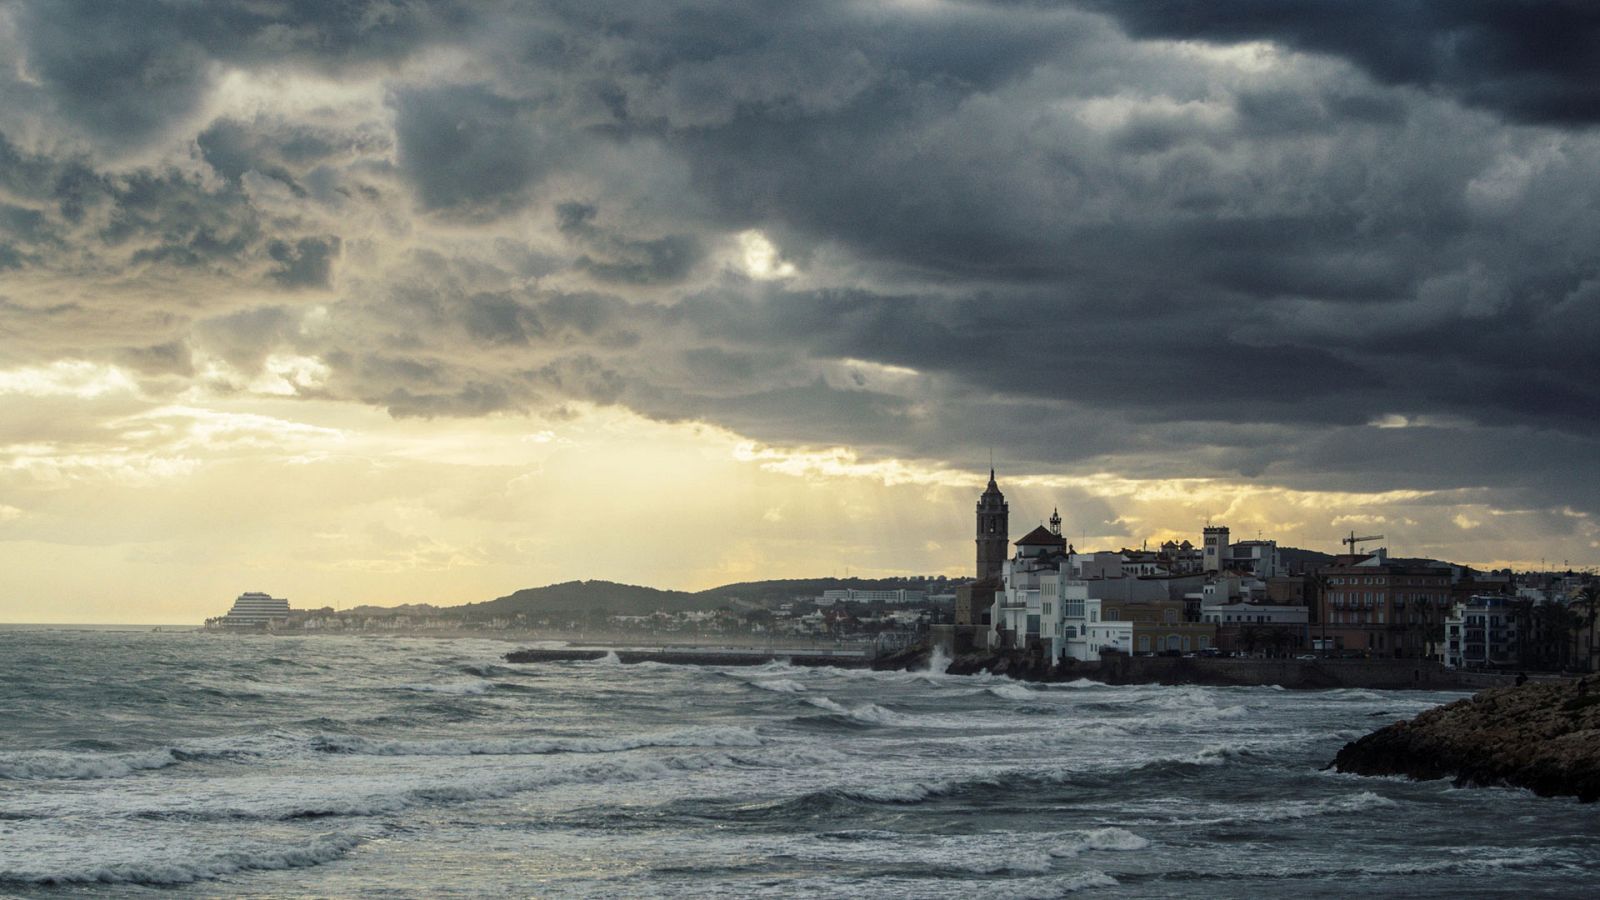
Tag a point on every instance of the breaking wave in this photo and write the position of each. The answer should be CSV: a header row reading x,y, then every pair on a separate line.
x,y
326,848
45,764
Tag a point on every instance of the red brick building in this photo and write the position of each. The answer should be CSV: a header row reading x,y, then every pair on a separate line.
x,y
1374,607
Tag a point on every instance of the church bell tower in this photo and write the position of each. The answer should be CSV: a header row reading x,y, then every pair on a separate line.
x,y
993,535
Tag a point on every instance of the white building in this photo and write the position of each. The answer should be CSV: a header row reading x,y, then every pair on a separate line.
x,y
1086,633
1260,558
851,595
1481,632
1041,601
255,610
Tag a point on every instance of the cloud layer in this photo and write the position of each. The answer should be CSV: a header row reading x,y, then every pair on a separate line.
x,y
1280,244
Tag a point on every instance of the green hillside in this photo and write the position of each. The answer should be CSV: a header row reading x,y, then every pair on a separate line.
x,y
586,597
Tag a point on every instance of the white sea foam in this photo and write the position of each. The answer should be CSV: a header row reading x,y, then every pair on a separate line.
x,y
1013,692
44,764
869,713
702,736
459,686
1288,810
250,856
1104,839
778,685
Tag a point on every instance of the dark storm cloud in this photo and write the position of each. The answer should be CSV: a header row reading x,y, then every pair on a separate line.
x,y
1011,225
72,219
307,262
623,260
124,71
1530,60
466,149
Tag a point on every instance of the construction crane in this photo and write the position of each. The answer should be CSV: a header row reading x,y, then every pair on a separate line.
x,y
1352,540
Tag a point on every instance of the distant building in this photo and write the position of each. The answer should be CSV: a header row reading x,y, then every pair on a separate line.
x,y
851,595
253,611
1214,548
1482,633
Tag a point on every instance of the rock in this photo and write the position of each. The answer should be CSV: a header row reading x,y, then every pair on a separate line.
x,y
910,658
1543,737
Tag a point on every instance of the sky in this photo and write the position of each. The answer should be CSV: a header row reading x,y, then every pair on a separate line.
x,y
388,302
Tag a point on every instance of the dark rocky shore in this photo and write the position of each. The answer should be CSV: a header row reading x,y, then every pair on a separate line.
x,y
1543,737
1302,674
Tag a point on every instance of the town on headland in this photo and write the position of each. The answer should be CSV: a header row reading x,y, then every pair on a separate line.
x,y
1039,609
1220,611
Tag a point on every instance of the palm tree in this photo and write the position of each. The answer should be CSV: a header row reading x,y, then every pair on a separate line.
x,y
1590,598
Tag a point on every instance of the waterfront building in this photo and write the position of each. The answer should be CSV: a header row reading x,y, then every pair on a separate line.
x,y
1482,633
1253,627
1025,611
1372,606
253,611
1159,626
1042,606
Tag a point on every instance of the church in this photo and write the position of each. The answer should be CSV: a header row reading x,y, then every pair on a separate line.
x,y
1034,599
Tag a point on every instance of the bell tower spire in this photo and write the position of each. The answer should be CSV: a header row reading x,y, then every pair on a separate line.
x,y
993,536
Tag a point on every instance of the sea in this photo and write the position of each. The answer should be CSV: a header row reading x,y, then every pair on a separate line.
x,y
190,764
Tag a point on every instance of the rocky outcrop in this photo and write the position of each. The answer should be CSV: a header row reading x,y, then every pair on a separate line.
x,y
1543,737
906,659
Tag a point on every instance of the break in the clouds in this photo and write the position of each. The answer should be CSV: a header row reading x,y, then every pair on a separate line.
x,y
1299,246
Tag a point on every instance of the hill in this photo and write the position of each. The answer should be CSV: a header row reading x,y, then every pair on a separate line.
x,y
780,589
607,597
1295,559
612,598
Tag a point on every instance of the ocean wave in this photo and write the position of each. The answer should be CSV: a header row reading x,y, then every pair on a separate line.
x,y
701,736
778,685
1285,811
1103,839
255,857
463,687
35,765
1012,692
867,713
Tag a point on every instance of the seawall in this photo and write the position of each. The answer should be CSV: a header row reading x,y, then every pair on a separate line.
x,y
1385,674
700,657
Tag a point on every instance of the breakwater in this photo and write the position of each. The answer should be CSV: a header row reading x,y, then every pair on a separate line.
x,y
1383,674
703,656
